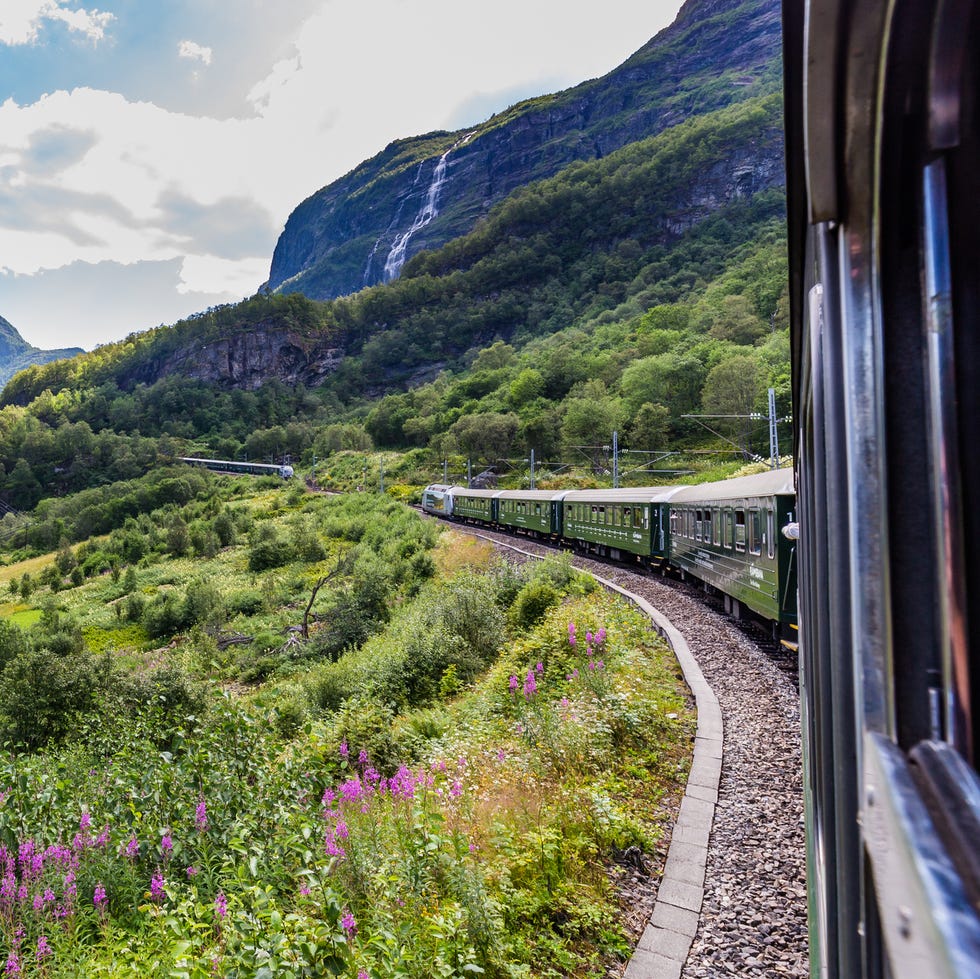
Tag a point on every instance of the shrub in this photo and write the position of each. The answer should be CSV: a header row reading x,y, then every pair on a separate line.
x,y
164,616
269,550
532,604
246,602
41,693
364,725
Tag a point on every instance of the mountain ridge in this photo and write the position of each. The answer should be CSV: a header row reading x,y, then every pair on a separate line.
x,y
16,353
340,239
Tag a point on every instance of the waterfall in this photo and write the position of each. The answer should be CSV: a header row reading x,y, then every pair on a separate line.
x,y
366,281
429,210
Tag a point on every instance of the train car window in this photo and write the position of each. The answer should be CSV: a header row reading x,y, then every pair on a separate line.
x,y
675,520
739,530
697,524
755,535
537,508
627,516
770,534
716,523
646,518
708,532
615,516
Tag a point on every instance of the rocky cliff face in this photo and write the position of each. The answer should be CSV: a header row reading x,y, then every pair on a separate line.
x,y
420,193
16,353
245,360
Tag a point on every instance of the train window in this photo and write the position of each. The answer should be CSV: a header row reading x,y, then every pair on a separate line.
x,y
627,516
675,523
739,530
770,534
697,524
537,508
646,518
716,522
755,536
708,533
615,516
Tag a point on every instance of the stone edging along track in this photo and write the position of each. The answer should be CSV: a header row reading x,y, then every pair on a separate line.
x,y
664,946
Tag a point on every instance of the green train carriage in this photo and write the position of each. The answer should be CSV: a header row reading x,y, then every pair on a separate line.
x,y
619,523
474,505
536,513
729,535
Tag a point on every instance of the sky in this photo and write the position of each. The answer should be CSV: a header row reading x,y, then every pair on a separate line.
x,y
152,150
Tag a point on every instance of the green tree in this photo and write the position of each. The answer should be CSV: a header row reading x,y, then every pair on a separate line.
x,y
732,388
650,427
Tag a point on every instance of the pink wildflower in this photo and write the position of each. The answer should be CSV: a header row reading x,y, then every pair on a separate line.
x,y
530,686
201,815
221,904
157,892
348,923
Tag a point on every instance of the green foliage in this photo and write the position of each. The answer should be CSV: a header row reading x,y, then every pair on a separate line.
x,y
532,603
42,695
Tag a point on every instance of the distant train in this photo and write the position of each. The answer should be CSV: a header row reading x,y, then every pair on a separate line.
x,y
736,536
242,468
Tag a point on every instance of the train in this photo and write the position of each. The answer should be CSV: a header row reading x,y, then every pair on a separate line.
x,y
737,537
283,471
882,110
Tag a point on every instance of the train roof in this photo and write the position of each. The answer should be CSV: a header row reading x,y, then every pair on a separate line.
x,y
772,482
530,494
628,494
437,488
466,491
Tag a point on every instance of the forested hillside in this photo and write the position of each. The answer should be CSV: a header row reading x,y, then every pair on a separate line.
x,y
666,257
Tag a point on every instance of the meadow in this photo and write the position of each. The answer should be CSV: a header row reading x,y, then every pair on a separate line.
x,y
270,733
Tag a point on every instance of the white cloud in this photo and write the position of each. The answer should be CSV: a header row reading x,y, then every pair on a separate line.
x,y
194,51
89,176
21,20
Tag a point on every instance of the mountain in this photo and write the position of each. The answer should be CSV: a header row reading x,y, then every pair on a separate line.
x,y
603,240
422,192
16,353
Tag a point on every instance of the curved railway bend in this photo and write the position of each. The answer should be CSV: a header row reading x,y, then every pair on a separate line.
x,y
750,919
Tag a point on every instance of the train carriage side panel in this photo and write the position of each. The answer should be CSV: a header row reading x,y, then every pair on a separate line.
x,y
479,506
618,522
533,511
727,534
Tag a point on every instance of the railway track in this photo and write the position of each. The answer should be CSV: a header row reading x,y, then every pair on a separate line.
x,y
753,918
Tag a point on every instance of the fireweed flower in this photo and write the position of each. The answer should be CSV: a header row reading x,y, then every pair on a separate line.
x,y
99,898
221,904
156,887
166,845
362,758
132,849
514,684
348,923
539,668
344,750
201,815
12,968
530,686
191,872
43,948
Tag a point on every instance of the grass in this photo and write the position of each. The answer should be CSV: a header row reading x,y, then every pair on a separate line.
x,y
473,833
